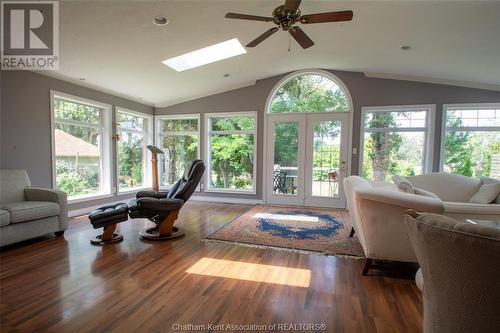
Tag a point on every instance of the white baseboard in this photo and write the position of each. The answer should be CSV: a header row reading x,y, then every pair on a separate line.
x,y
202,198
199,198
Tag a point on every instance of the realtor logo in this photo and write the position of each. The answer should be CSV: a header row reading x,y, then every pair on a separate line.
x,y
30,35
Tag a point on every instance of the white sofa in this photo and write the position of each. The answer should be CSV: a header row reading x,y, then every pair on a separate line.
x,y
455,192
377,209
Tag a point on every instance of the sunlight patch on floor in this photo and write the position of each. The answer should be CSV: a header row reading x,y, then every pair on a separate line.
x,y
252,272
301,218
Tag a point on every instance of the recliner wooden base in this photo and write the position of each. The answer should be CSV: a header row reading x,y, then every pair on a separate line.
x,y
164,229
107,237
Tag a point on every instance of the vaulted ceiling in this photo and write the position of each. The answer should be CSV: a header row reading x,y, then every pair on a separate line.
x,y
114,46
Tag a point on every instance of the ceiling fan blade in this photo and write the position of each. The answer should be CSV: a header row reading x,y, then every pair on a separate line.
x,y
300,36
248,17
292,5
327,17
262,37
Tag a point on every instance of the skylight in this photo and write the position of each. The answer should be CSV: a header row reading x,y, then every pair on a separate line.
x,y
206,55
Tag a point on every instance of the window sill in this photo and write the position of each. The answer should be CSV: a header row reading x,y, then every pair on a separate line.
x,y
230,191
134,190
89,198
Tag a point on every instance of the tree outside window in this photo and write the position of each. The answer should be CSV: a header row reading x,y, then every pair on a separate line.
x,y
232,151
78,145
179,139
394,143
472,141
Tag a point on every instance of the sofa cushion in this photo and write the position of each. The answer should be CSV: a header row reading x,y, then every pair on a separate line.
x,y
403,184
4,218
12,185
30,210
470,208
486,180
487,194
446,186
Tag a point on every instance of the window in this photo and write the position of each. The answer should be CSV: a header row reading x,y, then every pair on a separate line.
x,y
134,132
471,140
81,146
178,137
231,151
396,141
309,92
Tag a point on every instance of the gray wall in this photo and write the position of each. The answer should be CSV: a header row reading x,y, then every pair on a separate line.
x,y
25,124
25,115
364,92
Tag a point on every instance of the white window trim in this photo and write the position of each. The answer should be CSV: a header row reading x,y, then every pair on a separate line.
x,y
149,141
321,72
351,150
107,161
160,133
465,106
208,134
428,130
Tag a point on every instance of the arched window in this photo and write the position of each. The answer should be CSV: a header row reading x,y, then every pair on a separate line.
x,y
309,92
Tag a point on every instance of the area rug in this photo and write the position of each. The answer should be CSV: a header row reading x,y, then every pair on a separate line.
x,y
294,229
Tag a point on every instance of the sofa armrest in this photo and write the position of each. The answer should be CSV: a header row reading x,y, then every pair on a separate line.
x,y
56,196
162,205
381,213
404,200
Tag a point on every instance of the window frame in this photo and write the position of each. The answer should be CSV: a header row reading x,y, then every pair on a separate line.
x,y
106,150
465,106
208,154
148,134
428,130
321,72
159,133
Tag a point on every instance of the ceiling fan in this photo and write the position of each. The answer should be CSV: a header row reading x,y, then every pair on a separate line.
x,y
287,16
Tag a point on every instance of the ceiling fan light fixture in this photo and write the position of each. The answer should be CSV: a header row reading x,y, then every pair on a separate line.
x,y
207,55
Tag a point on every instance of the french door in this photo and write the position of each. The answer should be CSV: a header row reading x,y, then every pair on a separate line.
x,y
307,159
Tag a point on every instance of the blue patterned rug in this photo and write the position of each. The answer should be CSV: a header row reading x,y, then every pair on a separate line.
x,y
300,229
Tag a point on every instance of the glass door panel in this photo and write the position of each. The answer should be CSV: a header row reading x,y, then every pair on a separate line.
x,y
326,159
285,159
286,150
306,159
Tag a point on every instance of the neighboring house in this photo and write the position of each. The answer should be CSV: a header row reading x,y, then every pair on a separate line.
x,y
75,152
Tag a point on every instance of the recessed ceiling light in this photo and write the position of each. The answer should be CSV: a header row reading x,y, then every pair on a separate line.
x,y
206,55
160,20
405,47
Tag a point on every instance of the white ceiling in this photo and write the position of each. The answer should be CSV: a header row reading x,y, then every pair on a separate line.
x,y
116,48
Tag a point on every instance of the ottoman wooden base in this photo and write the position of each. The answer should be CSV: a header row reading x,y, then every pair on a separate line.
x,y
107,237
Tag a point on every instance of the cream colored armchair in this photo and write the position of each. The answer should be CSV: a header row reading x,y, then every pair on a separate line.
x,y
377,214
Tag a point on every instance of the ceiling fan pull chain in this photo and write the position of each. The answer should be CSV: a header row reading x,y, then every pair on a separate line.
x,y
289,42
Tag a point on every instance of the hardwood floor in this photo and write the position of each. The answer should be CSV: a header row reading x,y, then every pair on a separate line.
x,y
67,285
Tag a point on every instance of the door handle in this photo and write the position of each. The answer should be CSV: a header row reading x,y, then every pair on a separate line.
x,y
343,166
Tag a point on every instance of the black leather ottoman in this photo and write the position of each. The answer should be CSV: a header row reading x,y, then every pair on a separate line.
x,y
107,217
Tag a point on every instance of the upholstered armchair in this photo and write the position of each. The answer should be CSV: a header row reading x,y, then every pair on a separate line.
x,y
163,207
460,273
27,212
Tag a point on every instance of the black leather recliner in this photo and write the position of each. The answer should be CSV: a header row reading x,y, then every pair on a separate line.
x,y
162,208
